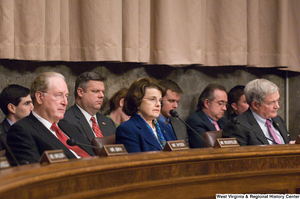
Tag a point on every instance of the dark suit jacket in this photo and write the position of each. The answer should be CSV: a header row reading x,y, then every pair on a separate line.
x,y
200,123
29,138
75,116
247,137
4,127
136,136
180,129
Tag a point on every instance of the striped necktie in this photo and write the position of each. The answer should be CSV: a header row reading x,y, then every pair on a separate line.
x,y
96,128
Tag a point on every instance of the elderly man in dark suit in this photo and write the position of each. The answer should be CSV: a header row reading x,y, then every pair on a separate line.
x,y
42,130
260,124
170,102
211,106
89,94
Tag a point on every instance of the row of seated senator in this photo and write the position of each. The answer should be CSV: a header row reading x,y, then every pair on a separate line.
x,y
139,116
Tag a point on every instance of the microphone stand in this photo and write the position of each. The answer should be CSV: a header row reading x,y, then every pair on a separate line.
x,y
73,142
174,113
8,149
235,121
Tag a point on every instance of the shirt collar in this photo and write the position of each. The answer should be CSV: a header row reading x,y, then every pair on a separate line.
x,y
258,117
161,118
45,122
9,121
86,114
211,120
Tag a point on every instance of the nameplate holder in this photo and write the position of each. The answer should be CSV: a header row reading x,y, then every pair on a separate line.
x,y
298,140
113,150
176,145
226,142
53,156
4,163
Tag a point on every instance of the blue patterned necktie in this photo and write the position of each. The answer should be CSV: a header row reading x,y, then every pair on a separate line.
x,y
160,136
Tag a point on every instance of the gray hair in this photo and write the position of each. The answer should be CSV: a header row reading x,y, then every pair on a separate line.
x,y
258,89
41,82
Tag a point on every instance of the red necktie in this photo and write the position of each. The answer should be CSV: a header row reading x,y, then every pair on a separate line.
x,y
63,138
96,128
271,130
216,125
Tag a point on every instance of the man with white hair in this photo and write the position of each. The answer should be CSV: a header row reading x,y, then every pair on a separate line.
x,y
260,124
43,129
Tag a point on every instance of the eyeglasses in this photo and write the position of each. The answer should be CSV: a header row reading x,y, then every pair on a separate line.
x,y
221,103
272,103
154,100
59,96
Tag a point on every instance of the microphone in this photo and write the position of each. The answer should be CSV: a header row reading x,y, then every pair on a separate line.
x,y
8,149
73,142
174,113
236,121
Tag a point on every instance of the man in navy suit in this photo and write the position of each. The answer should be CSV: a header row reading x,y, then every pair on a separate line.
x,y
42,130
170,102
89,95
260,124
211,107
16,103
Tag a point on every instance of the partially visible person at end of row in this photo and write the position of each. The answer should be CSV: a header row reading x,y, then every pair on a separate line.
x,y
116,103
237,103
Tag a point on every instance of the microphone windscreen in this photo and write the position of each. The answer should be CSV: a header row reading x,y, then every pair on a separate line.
x,y
174,113
71,142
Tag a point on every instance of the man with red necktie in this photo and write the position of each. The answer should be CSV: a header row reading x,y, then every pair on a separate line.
x,y
89,95
43,129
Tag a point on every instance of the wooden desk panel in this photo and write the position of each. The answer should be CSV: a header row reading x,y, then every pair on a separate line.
x,y
195,173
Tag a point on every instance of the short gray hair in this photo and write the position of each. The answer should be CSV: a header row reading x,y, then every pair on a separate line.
x,y
258,89
41,82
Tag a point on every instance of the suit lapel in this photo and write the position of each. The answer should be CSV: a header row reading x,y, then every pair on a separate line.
x,y
49,137
176,127
83,123
206,120
256,128
278,124
102,125
6,125
145,132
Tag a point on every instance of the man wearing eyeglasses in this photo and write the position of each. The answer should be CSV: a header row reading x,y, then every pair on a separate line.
x,y
43,129
211,107
89,95
260,124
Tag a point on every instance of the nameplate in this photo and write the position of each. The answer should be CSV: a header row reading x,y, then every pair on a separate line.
x,y
53,156
175,145
226,142
4,163
113,150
